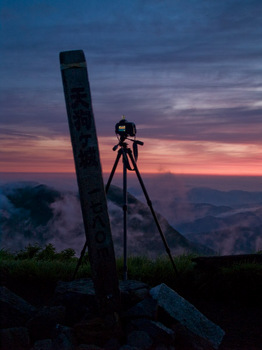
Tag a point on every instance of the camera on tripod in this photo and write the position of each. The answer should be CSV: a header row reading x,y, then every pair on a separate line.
x,y
125,128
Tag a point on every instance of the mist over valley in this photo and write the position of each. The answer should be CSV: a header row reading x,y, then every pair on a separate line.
x,y
200,220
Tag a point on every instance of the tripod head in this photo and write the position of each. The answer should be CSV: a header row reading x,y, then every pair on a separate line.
x,y
124,147
124,144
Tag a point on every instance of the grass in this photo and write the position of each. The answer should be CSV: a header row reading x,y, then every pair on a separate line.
x,y
38,270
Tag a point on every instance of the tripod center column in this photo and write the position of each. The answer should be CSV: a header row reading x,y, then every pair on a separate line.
x,y
125,213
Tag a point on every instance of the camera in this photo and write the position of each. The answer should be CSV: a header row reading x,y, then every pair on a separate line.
x,y
125,128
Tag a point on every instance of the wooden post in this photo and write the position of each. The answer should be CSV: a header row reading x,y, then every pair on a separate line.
x,y
89,178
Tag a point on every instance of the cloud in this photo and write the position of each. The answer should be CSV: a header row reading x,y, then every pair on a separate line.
x,y
33,213
188,71
57,219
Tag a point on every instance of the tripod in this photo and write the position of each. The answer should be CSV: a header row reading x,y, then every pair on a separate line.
x,y
126,153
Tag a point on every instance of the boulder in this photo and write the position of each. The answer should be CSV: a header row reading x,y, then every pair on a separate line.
x,y
88,347
15,311
44,323
140,340
14,338
184,313
146,308
43,344
159,320
156,330
84,286
64,338
98,330
78,297
136,290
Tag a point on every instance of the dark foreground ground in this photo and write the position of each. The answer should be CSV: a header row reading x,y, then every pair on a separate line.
x,y
232,298
242,323
240,319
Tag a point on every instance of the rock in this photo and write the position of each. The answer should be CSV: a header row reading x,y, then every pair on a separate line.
x,y
15,311
43,344
162,321
43,324
83,286
156,330
98,331
164,347
64,339
128,347
133,291
78,297
140,340
146,308
88,347
14,338
112,344
187,315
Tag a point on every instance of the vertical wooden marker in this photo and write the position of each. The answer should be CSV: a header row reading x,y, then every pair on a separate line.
x,y
89,178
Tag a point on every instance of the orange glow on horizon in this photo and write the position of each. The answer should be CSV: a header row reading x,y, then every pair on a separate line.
x,y
44,155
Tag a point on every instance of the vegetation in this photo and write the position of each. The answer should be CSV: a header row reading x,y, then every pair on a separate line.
x,y
39,269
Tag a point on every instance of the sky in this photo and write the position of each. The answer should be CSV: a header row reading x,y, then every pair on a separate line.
x,y
187,73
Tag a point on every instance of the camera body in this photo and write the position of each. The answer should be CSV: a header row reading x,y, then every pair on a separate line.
x,y
125,128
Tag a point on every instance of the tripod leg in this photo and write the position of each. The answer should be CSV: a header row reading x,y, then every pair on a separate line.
x,y
149,203
125,216
80,260
122,152
113,170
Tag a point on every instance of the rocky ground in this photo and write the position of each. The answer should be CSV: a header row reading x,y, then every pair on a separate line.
x,y
242,322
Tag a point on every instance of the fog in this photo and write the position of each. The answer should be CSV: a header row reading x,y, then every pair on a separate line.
x,y
226,221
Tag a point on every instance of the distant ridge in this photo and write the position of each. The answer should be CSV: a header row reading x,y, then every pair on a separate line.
x,y
229,198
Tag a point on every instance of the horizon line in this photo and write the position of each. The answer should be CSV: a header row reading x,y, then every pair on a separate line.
x,y
144,173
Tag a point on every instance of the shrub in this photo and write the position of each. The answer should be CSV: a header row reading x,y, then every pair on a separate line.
x,y
48,253
66,254
28,252
6,255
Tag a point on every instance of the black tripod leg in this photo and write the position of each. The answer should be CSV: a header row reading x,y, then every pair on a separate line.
x,y
152,209
80,260
125,217
119,153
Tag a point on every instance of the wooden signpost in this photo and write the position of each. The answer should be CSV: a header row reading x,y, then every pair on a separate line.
x,y
89,178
